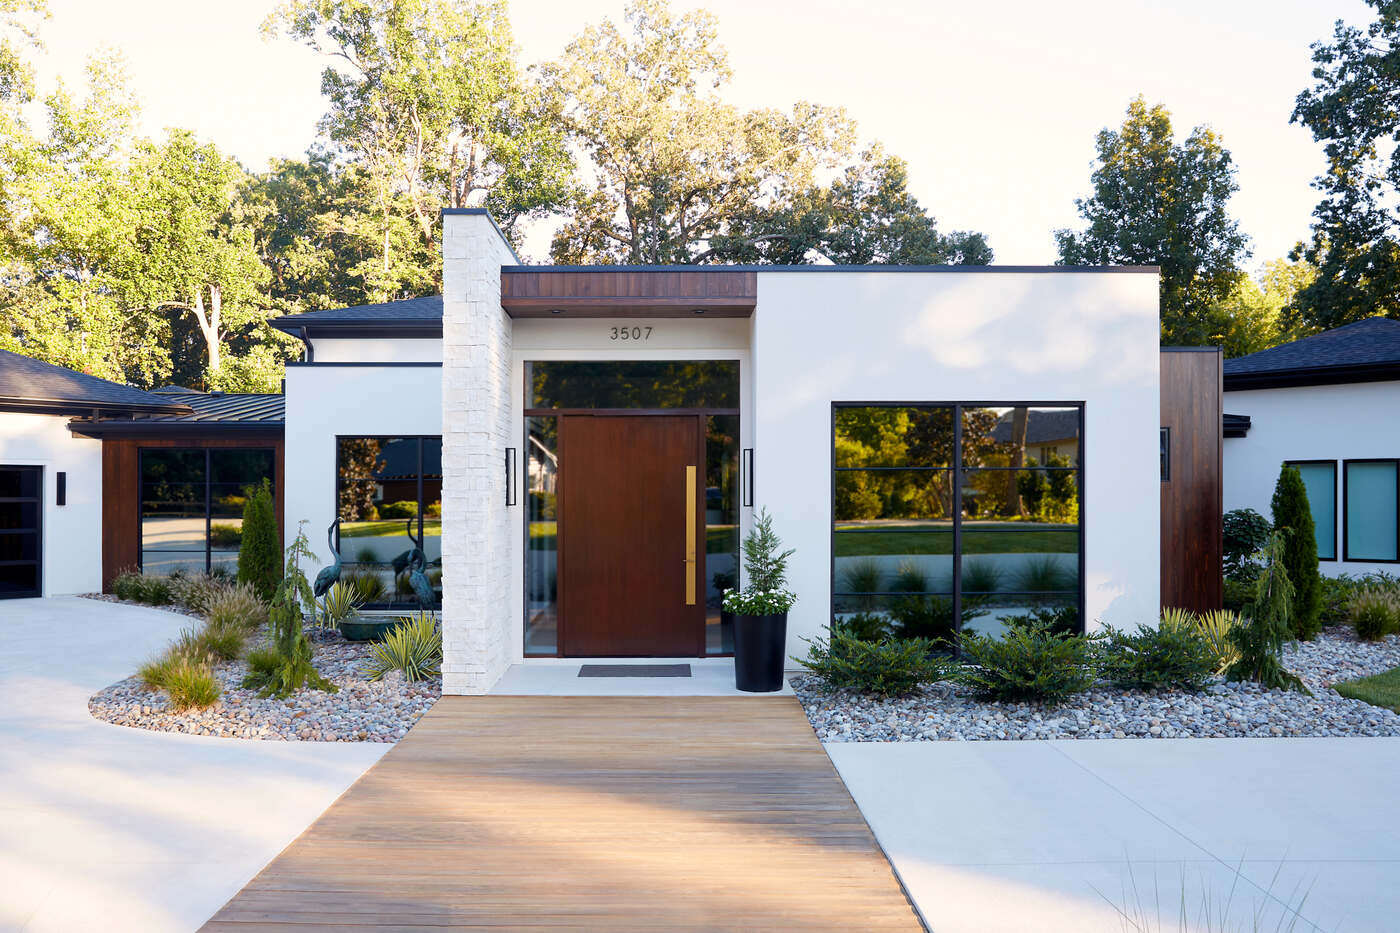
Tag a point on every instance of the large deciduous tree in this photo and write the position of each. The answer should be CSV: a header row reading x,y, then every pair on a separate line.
x,y
1161,202
673,163
1353,109
428,104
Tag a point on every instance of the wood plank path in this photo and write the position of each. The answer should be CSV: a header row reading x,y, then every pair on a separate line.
x,y
588,813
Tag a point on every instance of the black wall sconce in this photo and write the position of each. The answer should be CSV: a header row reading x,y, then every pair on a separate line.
x,y
746,480
510,476
62,488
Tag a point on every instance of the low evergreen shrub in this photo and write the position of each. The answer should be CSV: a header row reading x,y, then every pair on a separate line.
x,y
1375,613
1165,657
1335,600
864,626
929,617
1063,620
413,647
1293,520
151,589
889,667
1029,663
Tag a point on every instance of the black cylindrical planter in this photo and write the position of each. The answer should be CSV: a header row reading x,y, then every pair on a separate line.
x,y
760,643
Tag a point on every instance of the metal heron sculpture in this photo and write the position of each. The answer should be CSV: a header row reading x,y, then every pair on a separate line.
x,y
328,575
417,579
403,561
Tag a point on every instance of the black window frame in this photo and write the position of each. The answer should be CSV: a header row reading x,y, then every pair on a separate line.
x,y
208,496
1336,554
335,505
38,532
1346,511
957,469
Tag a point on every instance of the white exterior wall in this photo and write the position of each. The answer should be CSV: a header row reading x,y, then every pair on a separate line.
x,y
377,350
903,336
364,400
1340,422
72,533
476,399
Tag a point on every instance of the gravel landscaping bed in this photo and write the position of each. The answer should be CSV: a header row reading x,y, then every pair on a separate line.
x,y
362,710
948,712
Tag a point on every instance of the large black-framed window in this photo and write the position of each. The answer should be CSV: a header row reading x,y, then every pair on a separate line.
x,y
1320,480
1371,508
21,531
192,502
944,516
555,388
386,487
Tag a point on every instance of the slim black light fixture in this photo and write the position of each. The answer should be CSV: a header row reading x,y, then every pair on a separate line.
x,y
746,480
62,488
510,476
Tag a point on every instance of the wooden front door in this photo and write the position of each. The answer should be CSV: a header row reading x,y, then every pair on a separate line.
x,y
630,519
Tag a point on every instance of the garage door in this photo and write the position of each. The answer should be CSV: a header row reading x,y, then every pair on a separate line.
x,y
20,508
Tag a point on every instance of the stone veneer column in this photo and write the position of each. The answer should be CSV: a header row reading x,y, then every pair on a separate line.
x,y
476,551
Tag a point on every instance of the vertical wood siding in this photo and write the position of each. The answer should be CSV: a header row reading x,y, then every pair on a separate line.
x,y
1192,498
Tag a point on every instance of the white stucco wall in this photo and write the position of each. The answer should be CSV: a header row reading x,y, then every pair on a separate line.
x,y
72,533
903,336
324,401
377,349
1339,422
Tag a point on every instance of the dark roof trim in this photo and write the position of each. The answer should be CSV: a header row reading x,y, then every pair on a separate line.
x,y
167,429
1192,349
78,407
357,328
1313,376
481,211
1235,425
835,268
363,364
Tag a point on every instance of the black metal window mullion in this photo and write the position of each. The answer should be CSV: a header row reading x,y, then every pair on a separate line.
x,y
957,524
208,510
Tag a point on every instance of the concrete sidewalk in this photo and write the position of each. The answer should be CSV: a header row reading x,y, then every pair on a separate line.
x,y
1060,835
108,828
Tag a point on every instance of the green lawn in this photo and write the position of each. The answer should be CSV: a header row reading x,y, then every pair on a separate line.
x,y
387,529
1032,539
1378,689
718,538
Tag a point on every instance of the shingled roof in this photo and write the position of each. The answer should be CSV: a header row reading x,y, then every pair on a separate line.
x,y
201,412
1365,351
1041,426
410,316
33,385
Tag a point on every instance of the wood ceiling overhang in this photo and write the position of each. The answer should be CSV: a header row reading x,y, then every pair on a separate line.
x,y
627,291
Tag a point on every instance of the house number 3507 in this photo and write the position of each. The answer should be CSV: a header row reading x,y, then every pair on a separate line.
x,y
630,333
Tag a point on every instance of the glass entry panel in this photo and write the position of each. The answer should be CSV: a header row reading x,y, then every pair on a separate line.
x,y
192,502
706,389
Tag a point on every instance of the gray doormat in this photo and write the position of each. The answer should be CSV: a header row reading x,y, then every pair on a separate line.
x,y
634,670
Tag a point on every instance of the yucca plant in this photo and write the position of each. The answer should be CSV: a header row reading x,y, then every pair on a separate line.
x,y
414,647
1176,618
1215,627
341,602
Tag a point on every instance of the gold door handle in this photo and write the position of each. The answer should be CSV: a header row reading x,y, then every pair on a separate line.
x,y
690,535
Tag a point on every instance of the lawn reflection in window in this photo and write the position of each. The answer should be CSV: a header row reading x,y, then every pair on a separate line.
x,y
385,487
928,540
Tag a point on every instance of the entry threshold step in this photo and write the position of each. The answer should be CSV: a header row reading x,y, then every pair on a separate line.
x,y
634,670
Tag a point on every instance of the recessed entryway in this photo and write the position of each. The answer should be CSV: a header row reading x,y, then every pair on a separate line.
x,y
21,521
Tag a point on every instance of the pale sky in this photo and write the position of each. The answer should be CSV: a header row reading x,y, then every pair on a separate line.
x,y
994,104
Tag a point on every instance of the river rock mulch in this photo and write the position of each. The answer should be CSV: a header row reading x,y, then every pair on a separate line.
x,y
361,711
947,712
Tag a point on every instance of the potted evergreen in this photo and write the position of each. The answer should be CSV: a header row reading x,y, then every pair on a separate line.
x,y
760,611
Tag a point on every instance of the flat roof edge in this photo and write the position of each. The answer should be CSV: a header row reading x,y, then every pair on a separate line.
x,y
1021,270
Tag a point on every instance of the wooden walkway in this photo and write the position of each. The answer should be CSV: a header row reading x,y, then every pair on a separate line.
x,y
616,813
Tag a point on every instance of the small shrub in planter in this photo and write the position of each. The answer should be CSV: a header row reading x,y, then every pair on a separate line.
x,y
1166,657
1029,663
413,647
151,589
760,610
890,667
1374,613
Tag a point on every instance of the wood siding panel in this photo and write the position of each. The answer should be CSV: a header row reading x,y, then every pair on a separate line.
x,y
1193,495
629,292
121,490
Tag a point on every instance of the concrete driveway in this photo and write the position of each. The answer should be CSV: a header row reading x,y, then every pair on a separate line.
x,y
1189,834
109,828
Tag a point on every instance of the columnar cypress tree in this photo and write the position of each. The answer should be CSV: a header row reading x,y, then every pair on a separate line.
x,y
1293,516
259,555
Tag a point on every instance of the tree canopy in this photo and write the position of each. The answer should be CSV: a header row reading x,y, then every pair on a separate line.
x,y
1160,202
1351,109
